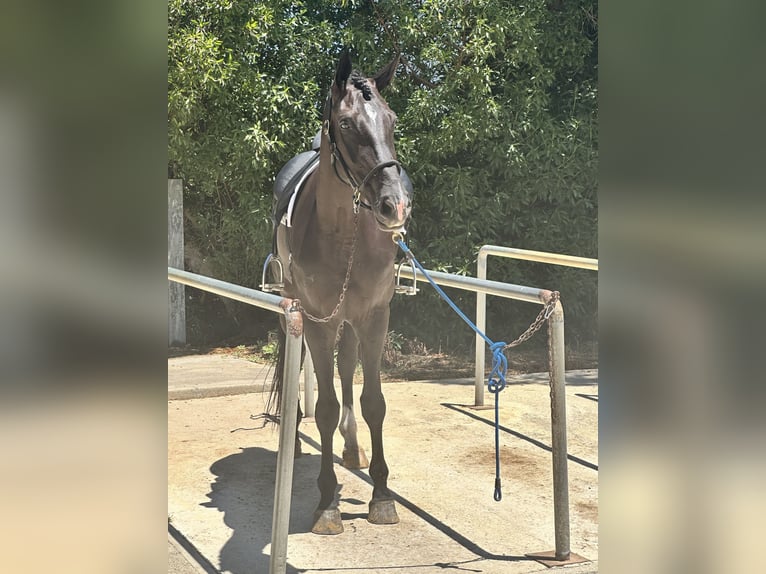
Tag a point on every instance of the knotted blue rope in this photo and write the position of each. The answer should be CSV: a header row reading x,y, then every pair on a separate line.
x,y
496,381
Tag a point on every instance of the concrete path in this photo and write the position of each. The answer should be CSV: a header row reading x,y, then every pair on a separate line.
x,y
201,376
221,467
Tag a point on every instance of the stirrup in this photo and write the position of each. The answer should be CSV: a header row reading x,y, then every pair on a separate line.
x,y
402,289
279,282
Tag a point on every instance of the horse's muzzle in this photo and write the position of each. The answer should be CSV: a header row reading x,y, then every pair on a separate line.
x,y
392,211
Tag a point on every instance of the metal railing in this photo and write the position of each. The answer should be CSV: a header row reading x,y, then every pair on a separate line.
x,y
481,296
482,286
289,417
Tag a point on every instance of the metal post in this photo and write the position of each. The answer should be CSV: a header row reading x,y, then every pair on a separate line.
x,y
559,434
481,323
288,426
308,384
176,293
562,555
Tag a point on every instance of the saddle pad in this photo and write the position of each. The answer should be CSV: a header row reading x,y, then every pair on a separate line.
x,y
288,179
287,218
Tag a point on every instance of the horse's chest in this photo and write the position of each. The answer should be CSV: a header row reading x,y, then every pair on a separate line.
x,y
365,285
360,281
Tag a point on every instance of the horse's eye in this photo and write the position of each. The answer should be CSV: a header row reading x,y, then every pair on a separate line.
x,y
344,125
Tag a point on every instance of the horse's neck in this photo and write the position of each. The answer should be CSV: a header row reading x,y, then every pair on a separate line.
x,y
334,200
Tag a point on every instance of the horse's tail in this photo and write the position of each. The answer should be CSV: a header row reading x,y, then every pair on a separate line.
x,y
274,403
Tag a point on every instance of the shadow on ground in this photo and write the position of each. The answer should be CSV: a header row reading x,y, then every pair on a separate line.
x,y
244,491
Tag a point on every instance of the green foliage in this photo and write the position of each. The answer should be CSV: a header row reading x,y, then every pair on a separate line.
x,y
244,88
497,106
270,350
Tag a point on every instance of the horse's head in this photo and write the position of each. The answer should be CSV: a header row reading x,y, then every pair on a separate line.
x,y
360,128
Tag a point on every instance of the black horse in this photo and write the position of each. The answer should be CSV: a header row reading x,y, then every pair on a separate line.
x,y
338,258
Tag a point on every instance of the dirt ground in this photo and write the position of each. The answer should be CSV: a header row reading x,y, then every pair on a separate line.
x,y
221,467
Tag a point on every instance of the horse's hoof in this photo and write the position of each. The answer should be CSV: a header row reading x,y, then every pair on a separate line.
x,y
355,459
327,522
383,512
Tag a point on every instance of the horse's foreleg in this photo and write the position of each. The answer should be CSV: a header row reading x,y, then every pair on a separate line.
x,y
353,454
321,341
372,336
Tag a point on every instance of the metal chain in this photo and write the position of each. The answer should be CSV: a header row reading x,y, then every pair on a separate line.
x,y
550,359
542,317
346,281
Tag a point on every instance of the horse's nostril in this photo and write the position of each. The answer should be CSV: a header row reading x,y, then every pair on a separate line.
x,y
387,208
392,210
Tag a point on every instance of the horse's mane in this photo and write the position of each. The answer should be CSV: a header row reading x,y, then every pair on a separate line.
x,y
360,82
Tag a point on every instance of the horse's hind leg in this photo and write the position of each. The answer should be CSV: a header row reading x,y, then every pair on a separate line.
x,y
353,454
372,336
321,340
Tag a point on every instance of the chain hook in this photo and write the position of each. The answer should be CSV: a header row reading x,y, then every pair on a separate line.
x,y
551,305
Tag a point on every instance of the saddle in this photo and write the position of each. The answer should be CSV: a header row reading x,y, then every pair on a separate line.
x,y
290,178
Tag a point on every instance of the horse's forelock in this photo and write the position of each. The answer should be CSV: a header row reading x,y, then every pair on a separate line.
x,y
359,81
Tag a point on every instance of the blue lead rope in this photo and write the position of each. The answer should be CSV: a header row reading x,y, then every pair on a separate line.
x,y
496,380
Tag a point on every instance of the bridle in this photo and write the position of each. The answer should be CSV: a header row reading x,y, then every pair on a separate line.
x,y
350,180
337,157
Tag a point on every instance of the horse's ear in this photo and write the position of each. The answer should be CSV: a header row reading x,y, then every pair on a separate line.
x,y
343,71
386,74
